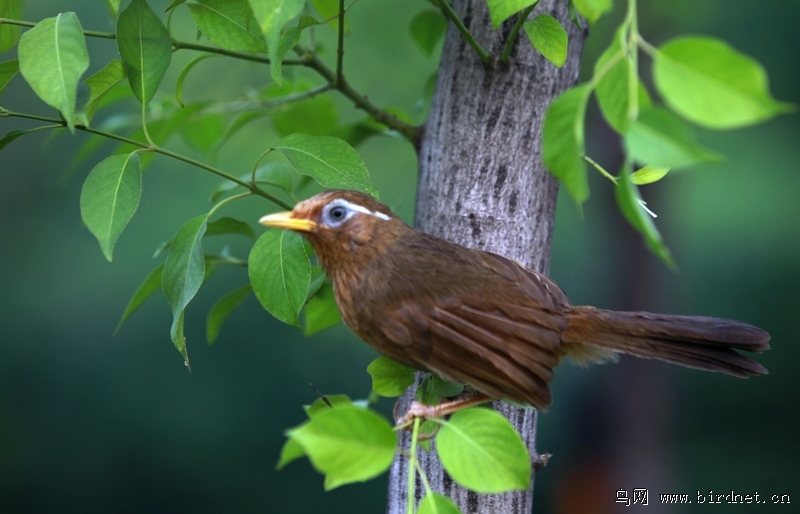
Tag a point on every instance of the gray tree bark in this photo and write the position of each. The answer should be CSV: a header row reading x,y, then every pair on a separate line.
x,y
482,184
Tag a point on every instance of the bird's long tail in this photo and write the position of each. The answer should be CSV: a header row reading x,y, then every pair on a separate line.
x,y
691,341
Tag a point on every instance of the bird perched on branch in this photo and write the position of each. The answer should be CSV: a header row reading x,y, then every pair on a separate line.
x,y
480,319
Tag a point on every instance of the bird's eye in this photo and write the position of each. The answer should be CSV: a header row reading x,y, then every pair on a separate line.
x,y
337,214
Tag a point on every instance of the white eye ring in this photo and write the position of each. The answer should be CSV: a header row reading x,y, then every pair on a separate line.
x,y
340,210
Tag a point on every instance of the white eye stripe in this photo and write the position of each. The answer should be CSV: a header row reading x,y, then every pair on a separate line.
x,y
359,208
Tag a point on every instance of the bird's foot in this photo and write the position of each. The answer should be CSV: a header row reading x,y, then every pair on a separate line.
x,y
422,411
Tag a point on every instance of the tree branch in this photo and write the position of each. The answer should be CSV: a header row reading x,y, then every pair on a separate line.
x,y
156,149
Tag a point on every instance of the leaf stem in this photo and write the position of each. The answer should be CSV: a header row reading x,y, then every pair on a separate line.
x,y
156,149
450,13
412,468
412,132
90,33
599,168
512,37
227,200
340,46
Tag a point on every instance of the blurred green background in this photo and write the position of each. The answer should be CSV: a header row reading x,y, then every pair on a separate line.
x,y
95,423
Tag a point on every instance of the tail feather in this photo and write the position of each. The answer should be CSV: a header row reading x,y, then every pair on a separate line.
x,y
692,341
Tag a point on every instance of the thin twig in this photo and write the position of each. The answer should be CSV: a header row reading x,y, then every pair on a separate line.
x,y
599,168
324,398
361,101
340,46
156,149
450,13
514,31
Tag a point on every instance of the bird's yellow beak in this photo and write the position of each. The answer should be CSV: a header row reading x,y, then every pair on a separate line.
x,y
285,220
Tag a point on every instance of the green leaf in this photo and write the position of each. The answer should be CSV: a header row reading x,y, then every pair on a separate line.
x,y
661,139
109,198
390,378
321,311
433,388
316,116
480,449
549,37
329,9
319,405
275,173
145,48
222,309
501,10
618,106
648,175
113,7
563,141
9,34
708,82
280,274
184,73
7,71
101,83
632,207
330,161
184,272
52,58
271,16
437,504
427,29
146,289
227,225
592,10
347,444
226,24
11,136
288,40
290,452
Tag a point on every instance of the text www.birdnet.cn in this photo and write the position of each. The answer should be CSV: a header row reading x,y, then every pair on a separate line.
x,y
641,496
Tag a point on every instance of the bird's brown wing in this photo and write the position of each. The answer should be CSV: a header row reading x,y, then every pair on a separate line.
x,y
500,334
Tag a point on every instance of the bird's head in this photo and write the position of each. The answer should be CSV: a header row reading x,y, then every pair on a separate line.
x,y
344,227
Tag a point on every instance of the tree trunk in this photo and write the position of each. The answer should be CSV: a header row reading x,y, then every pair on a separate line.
x,y
482,184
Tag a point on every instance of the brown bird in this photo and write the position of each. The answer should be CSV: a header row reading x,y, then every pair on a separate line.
x,y
478,318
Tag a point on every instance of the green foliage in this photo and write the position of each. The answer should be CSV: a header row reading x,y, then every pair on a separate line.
x,y
222,309
481,450
563,143
427,29
700,80
433,389
280,274
549,37
145,48
52,58
99,85
501,10
592,10
708,82
146,289
321,310
109,198
7,71
330,161
347,444
271,16
226,23
9,34
437,504
389,378
184,272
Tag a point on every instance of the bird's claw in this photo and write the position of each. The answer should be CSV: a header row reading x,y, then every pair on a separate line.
x,y
416,410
